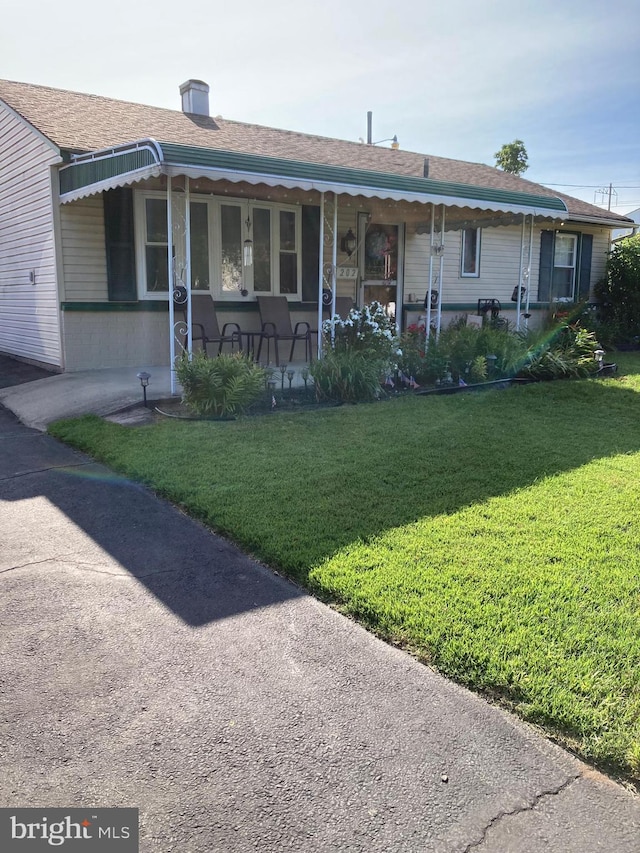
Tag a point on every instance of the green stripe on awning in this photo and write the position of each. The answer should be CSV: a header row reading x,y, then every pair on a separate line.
x,y
87,172
98,170
185,155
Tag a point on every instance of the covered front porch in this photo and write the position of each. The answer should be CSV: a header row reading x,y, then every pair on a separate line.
x,y
228,227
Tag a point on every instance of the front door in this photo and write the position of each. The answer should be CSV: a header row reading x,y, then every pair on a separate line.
x,y
381,265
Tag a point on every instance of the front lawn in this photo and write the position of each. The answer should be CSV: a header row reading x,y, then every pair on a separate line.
x,y
495,535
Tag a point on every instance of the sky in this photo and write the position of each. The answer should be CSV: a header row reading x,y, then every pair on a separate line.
x,y
452,78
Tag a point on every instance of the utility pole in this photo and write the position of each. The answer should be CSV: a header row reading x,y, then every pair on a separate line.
x,y
605,193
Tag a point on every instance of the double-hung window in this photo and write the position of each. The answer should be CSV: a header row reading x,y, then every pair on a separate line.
x,y
564,266
470,253
221,229
152,255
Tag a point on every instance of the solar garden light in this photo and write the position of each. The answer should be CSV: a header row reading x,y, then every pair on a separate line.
x,y
599,357
283,370
290,375
144,378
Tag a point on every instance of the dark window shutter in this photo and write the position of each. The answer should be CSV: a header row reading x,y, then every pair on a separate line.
x,y
584,273
310,252
546,266
118,229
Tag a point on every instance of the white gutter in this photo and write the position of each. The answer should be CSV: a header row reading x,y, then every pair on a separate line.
x,y
596,220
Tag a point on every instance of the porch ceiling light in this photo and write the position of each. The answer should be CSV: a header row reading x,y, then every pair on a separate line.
x,y
348,243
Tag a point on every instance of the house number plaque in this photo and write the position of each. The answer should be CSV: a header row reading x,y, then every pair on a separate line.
x,y
347,272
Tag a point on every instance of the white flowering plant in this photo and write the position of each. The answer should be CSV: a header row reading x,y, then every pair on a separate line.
x,y
367,330
360,350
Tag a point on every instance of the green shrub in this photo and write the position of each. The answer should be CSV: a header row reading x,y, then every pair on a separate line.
x,y
619,292
461,352
222,386
510,349
348,376
359,350
411,358
478,371
569,353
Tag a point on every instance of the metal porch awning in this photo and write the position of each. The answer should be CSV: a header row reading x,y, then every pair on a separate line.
x,y
91,173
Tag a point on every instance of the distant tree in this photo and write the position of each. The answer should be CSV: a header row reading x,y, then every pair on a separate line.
x,y
512,157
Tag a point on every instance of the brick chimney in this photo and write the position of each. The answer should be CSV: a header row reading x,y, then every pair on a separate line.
x,y
195,97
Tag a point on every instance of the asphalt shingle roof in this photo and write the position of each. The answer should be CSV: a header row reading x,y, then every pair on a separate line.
x,y
78,122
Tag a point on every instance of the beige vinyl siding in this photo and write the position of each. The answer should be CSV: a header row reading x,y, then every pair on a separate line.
x,y
29,313
416,265
105,339
499,266
83,251
601,242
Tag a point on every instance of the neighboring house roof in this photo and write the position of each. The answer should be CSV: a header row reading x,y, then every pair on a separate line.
x,y
620,233
79,123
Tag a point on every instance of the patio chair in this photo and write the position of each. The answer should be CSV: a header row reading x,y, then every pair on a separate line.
x,y
489,306
204,324
489,310
344,304
276,326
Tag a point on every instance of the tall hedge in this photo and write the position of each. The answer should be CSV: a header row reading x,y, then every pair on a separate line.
x,y
619,292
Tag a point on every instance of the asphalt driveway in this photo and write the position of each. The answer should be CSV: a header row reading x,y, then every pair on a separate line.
x,y
148,663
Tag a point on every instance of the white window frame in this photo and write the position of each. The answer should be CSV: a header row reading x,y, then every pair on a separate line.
x,y
140,236
573,267
214,204
463,240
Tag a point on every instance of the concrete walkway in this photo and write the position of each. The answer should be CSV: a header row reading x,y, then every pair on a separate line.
x,y
47,397
148,663
39,401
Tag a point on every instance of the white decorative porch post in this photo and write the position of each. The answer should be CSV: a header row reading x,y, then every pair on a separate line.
x,y
334,267
520,276
525,273
327,272
172,339
440,273
179,273
528,277
320,274
427,330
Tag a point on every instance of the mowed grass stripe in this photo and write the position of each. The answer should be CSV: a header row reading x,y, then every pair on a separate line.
x,y
495,534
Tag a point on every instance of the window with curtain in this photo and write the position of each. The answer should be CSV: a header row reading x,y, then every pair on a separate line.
x,y
470,253
219,230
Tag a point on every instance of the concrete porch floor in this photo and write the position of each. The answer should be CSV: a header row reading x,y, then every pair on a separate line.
x,y
100,392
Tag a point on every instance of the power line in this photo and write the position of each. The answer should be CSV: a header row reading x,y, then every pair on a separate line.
x,y
591,186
